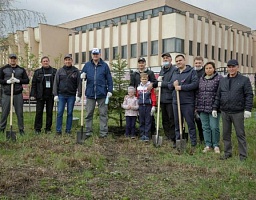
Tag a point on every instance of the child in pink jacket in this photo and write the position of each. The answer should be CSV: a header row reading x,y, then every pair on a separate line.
x,y
131,106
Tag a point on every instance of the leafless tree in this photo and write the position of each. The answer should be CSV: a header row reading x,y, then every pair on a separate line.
x,y
12,19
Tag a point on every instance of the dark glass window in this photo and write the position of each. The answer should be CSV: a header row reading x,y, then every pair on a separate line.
x,y
131,17
133,50
76,58
168,9
147,13
140,15
106,53
96,25
206,51
242,58
225,56
115,52
124,19
247,60
173,45
124,52
144,49
103,23
154,47
190,48
84,27
213,56
83,57
219,51
198,50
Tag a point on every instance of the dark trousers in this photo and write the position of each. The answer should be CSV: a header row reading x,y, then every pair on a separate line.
x,y
238,120
130,125
200,129
168,121
187,111
48,101
145,119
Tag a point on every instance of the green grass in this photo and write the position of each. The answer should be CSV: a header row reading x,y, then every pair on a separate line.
x,y
55,167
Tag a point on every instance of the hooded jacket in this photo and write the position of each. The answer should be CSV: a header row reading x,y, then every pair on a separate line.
x,y
188,81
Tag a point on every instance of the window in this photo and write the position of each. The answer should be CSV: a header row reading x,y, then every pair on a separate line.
x,y
190,51
76,58
157,10
206,51
84,27
242,59
124,19
167,9
225,56
219,51
231,54
96,25
147,13
139,15
116,20
131,17
103,23
106,53
198,51
213,56
108,22
124,52
154,47
236,56
247,60
173,45
83,57
144,49
115,52
133,50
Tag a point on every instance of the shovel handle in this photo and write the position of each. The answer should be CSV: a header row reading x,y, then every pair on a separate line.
x,y
82,104
158,111
179,112
11,101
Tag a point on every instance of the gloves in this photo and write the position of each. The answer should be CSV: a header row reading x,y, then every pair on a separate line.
x,y
10,81
160,78
153,110
78,99
159,84
56,98
83,75
109,94
16,80
214,114
247,114
32,98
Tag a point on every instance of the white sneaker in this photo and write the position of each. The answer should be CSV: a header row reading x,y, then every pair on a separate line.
x,y
206,149
216,149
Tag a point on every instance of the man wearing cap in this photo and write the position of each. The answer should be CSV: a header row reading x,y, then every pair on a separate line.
x,y
19,77
235,100
165,76
135,81
66,84
99,86
41,91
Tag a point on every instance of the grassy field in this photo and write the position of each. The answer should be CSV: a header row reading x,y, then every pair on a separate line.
x,y
54,167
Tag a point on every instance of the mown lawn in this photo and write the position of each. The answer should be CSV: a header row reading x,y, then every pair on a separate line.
x,y
54,167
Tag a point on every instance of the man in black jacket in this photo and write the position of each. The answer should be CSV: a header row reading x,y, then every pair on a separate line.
x,y
165,76
235,99
20,77
135,81
41,91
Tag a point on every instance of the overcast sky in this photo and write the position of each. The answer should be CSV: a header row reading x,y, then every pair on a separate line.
x,y
60,11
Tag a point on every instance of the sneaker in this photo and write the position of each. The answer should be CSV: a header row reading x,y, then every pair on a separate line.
x,y
146,139
58,132
206,149
142,138
216,149
173,144
22,132
225,157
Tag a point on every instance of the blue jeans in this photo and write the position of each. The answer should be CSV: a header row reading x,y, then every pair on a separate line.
x,y
211,129
70,101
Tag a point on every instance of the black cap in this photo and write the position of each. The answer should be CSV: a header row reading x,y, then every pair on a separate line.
x,y
166,54
141,59
232,62
13,56
68,56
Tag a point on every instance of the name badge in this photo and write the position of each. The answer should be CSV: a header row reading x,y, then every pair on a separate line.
x,y
48,84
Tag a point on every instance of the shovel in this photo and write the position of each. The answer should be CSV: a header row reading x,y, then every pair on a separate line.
x,y
80,135
157,140
181,143
11,134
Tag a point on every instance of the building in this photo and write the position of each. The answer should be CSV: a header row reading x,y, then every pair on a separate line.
x,y
147,29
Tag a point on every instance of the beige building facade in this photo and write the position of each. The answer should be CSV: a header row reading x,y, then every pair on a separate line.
x,y
144,29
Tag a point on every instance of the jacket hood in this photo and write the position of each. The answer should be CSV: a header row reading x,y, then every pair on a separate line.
x,y
188,69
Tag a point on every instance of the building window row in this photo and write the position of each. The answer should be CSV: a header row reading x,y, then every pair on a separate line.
x,y
132,17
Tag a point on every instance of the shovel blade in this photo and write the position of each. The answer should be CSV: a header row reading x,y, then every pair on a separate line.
x,y
79,137
11,135
157,140
181,145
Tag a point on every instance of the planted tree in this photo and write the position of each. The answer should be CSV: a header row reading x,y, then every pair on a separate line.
x,y
120,75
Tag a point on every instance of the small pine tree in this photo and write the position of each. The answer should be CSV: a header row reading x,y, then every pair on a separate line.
x,y
119,73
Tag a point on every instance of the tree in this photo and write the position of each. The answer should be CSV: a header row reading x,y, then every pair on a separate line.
x,y
119,73
12,19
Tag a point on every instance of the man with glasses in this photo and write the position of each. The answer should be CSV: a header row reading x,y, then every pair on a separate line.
x,y
235,100
19,77
99,86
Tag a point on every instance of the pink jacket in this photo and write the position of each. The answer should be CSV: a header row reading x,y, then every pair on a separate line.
x,y
133,102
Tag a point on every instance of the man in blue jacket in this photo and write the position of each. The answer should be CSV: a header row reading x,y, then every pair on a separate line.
x,y
99,86
185,80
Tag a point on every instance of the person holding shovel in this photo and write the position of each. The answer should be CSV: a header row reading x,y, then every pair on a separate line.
x,y
66,84
99,88
185,81
19,77
165,76
41,91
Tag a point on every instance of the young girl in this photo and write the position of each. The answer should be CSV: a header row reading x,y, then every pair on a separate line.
x,y
131,106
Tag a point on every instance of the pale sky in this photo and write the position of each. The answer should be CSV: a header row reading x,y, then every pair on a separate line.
x,y
60,11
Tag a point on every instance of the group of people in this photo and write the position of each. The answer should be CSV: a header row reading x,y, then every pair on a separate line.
x,y
204,96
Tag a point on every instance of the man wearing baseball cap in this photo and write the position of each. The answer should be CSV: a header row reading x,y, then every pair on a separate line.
x,y
234,98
